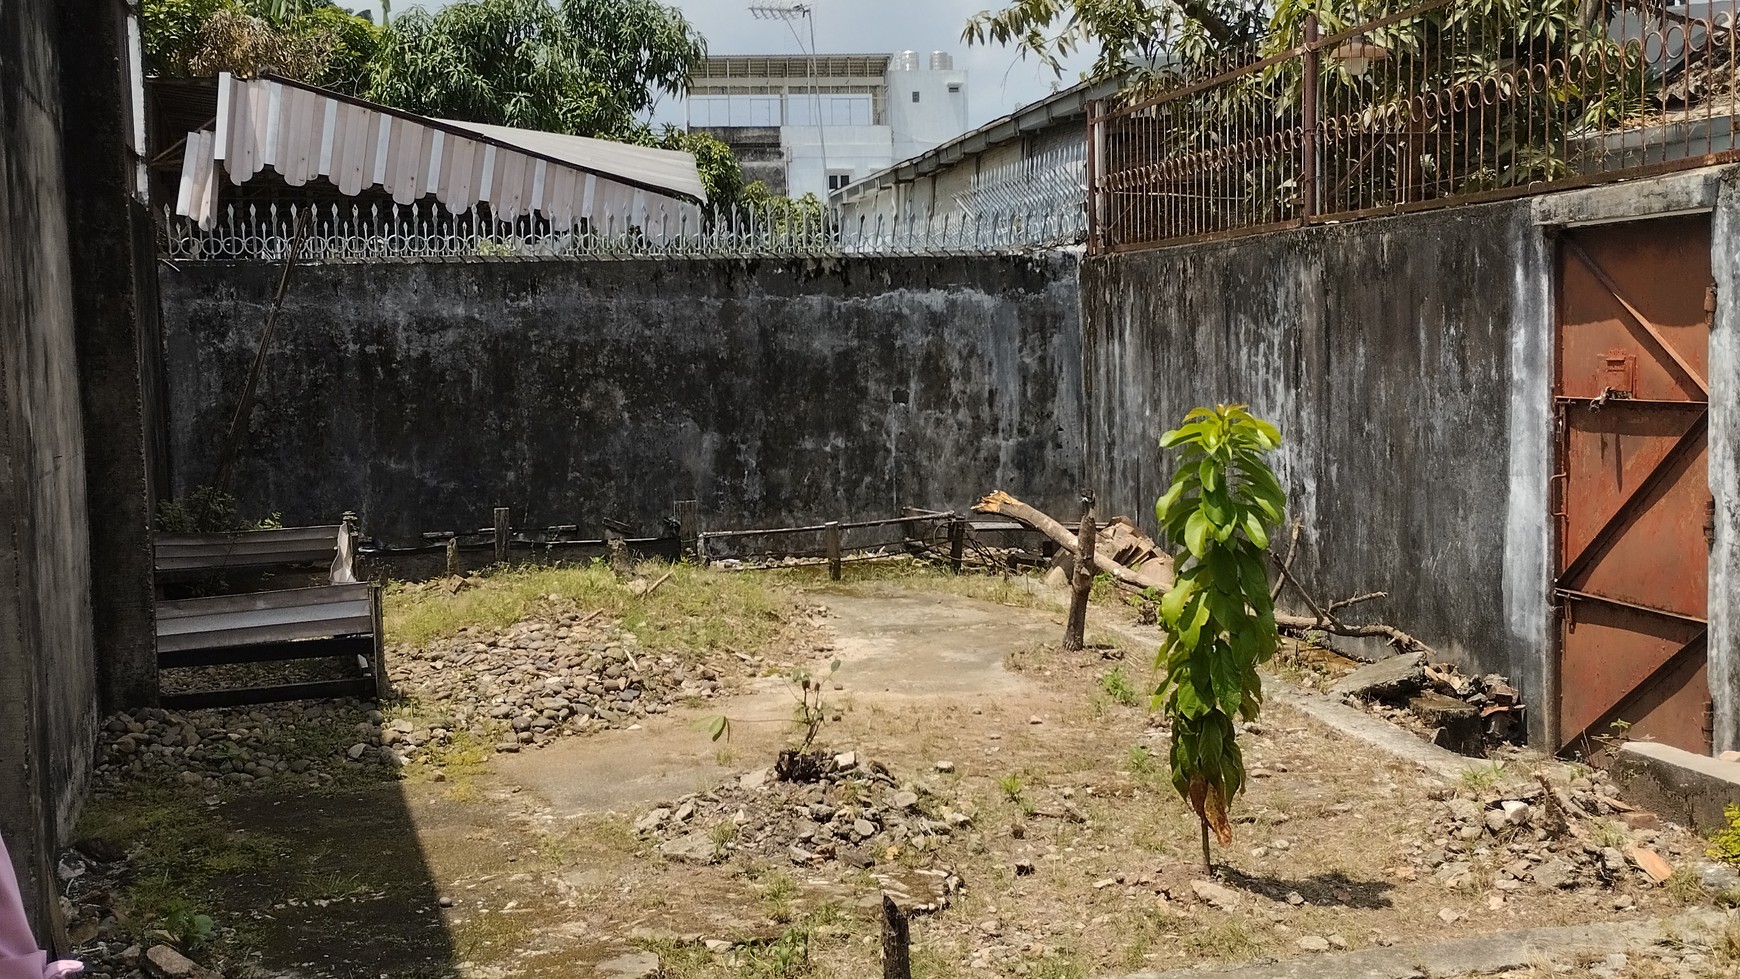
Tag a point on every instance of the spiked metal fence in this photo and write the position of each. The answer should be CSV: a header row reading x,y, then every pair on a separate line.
x,y
1435,103
361,232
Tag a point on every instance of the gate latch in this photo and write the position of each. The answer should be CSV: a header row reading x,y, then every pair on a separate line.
x,y
1620,376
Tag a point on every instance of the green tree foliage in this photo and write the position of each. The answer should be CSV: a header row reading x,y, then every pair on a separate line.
x,y
579,66
1217,617
312,40
1122,32
586,67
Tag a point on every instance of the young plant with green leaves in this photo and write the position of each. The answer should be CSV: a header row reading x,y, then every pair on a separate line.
x,y
1218,620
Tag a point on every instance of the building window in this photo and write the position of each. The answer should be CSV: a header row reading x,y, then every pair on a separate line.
x,y
954,88
915,96
838,180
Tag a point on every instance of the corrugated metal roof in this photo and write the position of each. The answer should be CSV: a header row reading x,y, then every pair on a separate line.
x,y
305,133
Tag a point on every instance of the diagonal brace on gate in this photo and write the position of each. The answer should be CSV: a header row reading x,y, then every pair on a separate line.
x,y
1689,442
1660,342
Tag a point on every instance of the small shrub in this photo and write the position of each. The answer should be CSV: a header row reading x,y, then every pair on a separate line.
x,y
1011,785
1725,844
1118,687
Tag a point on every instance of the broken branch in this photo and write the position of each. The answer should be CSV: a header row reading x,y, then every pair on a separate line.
x,y
1003,504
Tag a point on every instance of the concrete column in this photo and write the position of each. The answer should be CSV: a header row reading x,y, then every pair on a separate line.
x,y
1724,588
115,312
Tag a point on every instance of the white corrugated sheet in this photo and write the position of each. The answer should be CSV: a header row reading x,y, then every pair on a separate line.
x,y
305,133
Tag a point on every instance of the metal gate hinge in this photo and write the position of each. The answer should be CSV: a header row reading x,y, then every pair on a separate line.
x,y
1710,522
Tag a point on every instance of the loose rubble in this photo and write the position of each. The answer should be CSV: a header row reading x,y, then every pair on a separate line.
x,y
1468,715
557,675
1548,835
856,814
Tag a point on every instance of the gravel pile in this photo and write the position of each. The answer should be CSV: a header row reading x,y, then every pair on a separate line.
x,y
540,680
554,676
855,814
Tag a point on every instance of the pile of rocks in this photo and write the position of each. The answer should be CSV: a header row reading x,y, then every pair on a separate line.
x,y
1546,834
525,686
855,813
540,680
309,742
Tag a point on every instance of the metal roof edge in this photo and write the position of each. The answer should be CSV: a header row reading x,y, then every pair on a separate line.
x,y
1029,118
462,129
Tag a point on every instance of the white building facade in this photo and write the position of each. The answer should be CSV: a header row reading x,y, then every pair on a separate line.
x,y
815,125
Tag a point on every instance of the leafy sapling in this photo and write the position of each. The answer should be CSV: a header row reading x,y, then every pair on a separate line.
x,y
1218,621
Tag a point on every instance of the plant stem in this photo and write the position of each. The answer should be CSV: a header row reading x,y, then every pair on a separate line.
x,y
1207,859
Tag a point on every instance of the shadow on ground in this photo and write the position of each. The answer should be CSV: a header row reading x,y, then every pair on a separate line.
x,y
1332,889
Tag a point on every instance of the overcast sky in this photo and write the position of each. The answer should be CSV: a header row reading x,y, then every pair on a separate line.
x,y
997,81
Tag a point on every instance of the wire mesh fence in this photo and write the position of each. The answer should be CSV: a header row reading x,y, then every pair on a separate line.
x,y
1401,107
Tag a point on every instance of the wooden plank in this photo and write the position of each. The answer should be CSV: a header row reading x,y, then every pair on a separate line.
x,y
270,652
358,687
263,600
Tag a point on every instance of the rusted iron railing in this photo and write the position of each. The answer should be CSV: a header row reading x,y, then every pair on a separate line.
x,y
1405,107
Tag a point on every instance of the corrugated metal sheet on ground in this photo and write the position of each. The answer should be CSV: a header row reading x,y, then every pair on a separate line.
x,y
305,133
278,616
291,545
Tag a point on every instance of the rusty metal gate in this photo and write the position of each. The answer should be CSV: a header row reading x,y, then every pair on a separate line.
x,y
1631,492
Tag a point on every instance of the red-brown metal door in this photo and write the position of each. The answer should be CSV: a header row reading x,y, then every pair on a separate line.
x,y
1632,491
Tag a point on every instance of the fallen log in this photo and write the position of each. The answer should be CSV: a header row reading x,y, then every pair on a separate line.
x,y
1003,504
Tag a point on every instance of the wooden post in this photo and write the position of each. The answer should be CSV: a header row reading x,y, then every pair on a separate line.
x,y
1074,632
501,534
896,941
957,542
378,666
688,514
453,557
833,527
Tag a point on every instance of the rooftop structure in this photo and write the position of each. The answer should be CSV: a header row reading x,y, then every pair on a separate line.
x,y
813,125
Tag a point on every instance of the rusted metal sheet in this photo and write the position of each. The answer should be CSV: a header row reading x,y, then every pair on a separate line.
x,y
1632,490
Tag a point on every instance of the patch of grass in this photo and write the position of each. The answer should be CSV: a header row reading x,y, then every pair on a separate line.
x,y
1482,777
329,885
778,896
1118,687
1011,785
1225,939
722,834
1059,963
1145,765
786,958
1607,834
696,610
177,851
1684,887
677,960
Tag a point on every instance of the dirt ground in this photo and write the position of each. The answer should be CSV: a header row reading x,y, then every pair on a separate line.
x,y
1077,857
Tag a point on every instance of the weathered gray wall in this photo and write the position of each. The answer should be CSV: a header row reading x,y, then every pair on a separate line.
x,y
47,681
114,260
1406,362
421,394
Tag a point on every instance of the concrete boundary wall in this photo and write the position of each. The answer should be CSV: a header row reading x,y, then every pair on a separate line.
x,y
774,392
1408,361
47,674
